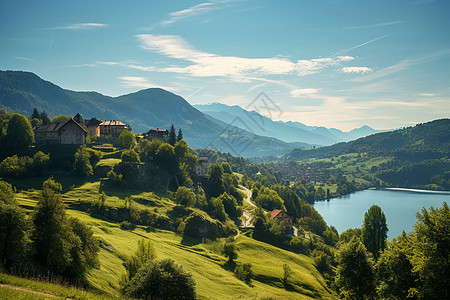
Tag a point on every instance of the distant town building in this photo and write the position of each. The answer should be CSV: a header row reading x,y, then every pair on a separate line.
x,y
203,164
112,128
157,133
69,132
283,218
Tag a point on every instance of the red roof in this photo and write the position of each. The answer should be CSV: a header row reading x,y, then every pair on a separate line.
x,y
275,213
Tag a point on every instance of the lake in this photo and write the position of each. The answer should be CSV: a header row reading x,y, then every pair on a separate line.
x,y
399,206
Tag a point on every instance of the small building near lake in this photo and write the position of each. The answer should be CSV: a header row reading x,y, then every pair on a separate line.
x,y
282,217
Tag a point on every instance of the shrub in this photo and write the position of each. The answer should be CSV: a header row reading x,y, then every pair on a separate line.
x,y
82,165
244,272
230,251
41,162
15,166
125,225
114,179
185,196
130,156
161,280
144,253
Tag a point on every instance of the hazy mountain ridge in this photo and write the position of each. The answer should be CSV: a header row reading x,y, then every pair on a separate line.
x,y
151,108
426,138
287,131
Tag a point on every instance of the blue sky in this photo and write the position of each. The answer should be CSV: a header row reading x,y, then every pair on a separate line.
x,y
337,64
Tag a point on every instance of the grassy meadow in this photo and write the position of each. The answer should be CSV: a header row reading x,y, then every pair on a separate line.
x,y
213,276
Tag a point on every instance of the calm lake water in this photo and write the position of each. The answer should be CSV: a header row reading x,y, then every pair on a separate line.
x,y
399,206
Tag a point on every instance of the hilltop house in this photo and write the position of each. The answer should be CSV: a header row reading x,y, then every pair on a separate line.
x,y
93,126
283,218
203,164
69,132
157,133
112,128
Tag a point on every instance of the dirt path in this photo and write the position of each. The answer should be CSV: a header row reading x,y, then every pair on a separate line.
x,y
248,217
249,195
18,288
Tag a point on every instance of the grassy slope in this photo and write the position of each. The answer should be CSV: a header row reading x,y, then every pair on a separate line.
x,y
208,268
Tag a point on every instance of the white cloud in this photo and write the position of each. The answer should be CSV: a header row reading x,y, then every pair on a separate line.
x,y
427,94
23,58
82,26
374,25
237,68
346,58
402,65
141,82
303,92
356,70
189,12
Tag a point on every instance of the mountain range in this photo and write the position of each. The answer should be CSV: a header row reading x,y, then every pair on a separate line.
x,y
21,92
285,131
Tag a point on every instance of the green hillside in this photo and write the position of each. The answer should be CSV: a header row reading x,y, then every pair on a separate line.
x,y
203,260
416,157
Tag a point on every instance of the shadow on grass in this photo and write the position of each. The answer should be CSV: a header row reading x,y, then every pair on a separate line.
x,y
190,241
67,181
230,266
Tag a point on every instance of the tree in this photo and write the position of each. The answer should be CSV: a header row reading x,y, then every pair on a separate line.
x,y
144,253
185,196
355,275
61,119
84,250
165,157
244,272
230,251
41,161
130,156
430,252
14,234
127,139
82,165
215,180
19,134
286,273
180,135
394,270
35,114
64,246
374,230
217,209
6,193
161,280
51,229
44,117
172,135
231,206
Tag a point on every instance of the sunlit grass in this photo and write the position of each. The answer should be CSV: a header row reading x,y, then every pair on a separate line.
x,y
214,280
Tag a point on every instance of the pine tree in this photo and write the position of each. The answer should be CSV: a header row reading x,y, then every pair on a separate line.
x,y
172,135
180,135
35,114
